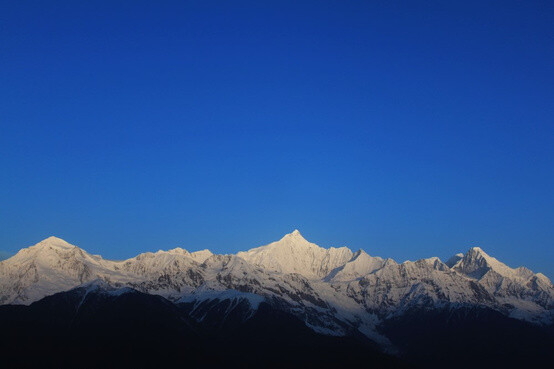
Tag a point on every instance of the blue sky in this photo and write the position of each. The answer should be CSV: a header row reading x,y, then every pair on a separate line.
x,y
408,129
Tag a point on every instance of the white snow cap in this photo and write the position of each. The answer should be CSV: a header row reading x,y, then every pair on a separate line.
x,y
294,234
54,241
294,238
294,254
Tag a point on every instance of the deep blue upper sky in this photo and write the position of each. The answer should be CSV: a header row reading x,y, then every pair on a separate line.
x,y
407,129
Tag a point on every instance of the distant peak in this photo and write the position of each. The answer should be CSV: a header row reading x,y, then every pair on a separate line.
x,y
478,251
454,259
177,250
476,254
294,235
476,263
54,241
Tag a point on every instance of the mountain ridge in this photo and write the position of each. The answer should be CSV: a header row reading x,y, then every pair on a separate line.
x,y
334,291
295,234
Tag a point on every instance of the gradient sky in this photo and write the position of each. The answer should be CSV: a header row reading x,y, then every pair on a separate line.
x,y
410,129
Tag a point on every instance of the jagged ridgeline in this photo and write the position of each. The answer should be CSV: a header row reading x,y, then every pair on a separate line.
x,y
334,293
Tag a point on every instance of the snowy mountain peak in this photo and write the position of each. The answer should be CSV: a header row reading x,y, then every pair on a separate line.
x,y
476,263
55,242
478,250
294,235
294,240
177,250
294,254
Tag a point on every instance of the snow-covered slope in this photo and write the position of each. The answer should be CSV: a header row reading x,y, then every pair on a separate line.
x,y
360,265
476,263
50,266
334,291
53,265
293,254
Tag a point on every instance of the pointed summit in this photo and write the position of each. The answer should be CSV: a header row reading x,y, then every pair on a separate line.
x,y
475,263
294,234
296,238
294,254
478,250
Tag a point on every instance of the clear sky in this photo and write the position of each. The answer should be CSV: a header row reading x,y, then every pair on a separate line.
x,y
411,129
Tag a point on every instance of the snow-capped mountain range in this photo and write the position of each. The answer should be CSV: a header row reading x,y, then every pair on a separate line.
x,y
334,291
